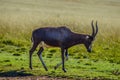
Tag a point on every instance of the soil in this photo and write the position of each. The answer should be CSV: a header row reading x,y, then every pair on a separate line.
x,y
32,78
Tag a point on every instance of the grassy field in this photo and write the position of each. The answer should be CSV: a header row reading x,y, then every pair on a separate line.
x,y
19,17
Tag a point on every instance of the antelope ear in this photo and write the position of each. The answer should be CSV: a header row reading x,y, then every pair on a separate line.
x,y
87,37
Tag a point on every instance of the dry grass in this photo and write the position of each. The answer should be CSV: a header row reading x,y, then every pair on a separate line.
x,y
18,17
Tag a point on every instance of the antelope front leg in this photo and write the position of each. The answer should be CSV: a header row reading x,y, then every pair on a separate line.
x,y
66,54
62,52
66,58
40,57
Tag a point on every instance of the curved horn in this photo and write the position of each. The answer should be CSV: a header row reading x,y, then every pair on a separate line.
x,y
93,30
96,29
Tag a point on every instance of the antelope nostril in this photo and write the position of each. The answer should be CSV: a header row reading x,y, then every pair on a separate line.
x,y
89,50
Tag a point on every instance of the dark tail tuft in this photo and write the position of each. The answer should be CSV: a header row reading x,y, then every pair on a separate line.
x,y
32,39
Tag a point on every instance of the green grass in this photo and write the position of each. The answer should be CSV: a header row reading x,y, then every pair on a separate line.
x,y
15,63
19,18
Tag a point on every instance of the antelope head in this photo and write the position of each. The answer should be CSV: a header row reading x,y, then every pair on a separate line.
x,y
90,38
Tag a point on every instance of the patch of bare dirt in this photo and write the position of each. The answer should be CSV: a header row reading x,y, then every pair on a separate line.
x,y
32,78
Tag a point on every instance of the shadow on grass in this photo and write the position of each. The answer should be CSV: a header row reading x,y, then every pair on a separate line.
x,y
14,73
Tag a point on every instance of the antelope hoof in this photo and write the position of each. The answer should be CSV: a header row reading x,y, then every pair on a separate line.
x,y
55,67
64,70
46,69
30,67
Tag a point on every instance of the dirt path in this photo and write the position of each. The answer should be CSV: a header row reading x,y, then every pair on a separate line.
x,y
32,78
